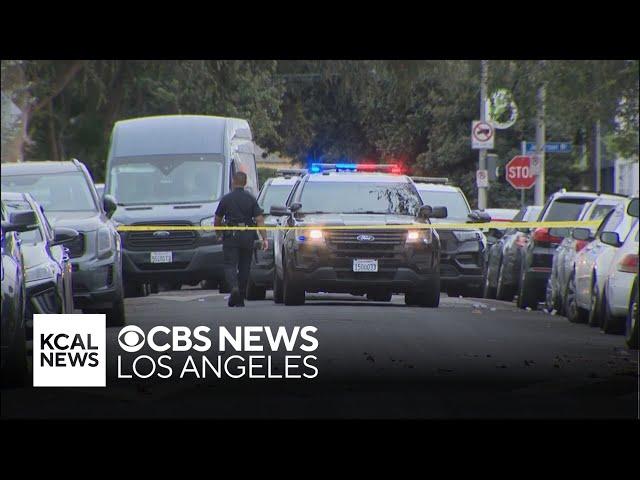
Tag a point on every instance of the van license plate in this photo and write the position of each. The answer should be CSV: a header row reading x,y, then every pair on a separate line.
x,y
365,265
161,257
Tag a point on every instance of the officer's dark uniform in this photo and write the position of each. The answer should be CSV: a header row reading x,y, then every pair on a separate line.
x,y
238,208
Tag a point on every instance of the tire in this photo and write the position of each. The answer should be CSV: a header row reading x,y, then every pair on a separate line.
x,y
15,373
254,292
155,288
610,324
429,297
292,294
134,289
551,302
575,314
631,327
594,317
488,291
277,288
503,292
379,297
454,292
527,295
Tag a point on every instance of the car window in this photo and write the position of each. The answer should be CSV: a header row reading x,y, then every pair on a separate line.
x,y
57,192
565,209
455,202
274,195
600,211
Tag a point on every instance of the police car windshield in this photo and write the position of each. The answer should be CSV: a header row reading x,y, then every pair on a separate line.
x,y
274,195
359,197
166,179
56,192
454,201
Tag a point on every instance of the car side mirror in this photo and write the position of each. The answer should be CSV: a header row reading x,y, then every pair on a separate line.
x,y
63,235
439,212
560,232
21,221
632,209
109,204
278,210
582,234
610,238
294,207
476,216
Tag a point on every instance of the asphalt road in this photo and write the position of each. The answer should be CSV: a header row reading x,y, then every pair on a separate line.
x,y
470,358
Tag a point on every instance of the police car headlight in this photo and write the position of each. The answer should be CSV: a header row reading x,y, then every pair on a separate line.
x,y
417,236
467,236
313,236
39,272
104,241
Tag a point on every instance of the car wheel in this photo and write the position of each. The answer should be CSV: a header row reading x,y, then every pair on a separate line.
x,y
277,288
488,291
631,331
527,296
610,324
379,297
255,292
430,296
411,299
292,293
134,289
15,372
503,291
575,314
550,297
595,315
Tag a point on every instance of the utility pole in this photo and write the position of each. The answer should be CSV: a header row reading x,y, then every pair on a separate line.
x,y
523,152
482,161
598,153
539,195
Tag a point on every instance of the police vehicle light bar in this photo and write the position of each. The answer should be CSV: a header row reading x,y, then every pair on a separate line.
x,y
355,167
430,179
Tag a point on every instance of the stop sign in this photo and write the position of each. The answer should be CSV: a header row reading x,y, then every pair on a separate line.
x,y
519,174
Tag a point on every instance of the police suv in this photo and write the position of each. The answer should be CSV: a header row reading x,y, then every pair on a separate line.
x,y
355,257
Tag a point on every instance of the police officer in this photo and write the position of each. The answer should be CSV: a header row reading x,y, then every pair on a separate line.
x,y
239,209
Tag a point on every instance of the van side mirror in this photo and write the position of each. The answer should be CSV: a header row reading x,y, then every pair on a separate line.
x,y
610,238
109,204
21,221
63,235
582,234
278,210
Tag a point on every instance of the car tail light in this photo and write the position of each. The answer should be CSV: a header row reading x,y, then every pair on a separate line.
x,y
629,263
521,240
541,235
580,244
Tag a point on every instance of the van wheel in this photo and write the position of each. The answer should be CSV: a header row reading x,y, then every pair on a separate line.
x,y
575,314
255,292
291,294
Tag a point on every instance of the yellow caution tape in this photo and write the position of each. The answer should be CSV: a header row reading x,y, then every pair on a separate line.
x,y
438,226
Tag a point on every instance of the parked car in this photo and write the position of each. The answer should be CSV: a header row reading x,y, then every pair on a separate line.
x,y
13,345
275,191
631,328
69,199
537,255
586,283
173,170
565,255
503,256
462,251
616,294
46,261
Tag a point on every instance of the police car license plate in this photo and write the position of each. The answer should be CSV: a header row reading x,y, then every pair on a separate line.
x,y
365,265
161,257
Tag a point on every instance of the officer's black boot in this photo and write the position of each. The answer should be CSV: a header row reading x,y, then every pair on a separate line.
x,y
234,297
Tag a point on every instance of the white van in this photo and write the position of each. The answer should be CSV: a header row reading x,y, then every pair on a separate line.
x,y
173,170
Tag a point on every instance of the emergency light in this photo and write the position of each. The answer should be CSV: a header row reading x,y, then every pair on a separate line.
x,y
355,167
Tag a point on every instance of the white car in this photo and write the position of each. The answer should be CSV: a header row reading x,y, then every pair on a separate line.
x,y
618,285
592,265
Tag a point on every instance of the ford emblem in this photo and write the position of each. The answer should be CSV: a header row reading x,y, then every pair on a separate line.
x,y
161,234
365,238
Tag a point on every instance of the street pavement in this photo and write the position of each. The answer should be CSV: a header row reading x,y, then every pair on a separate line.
x,y
470,358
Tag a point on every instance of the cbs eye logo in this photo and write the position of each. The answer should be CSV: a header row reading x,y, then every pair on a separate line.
x,y
131,338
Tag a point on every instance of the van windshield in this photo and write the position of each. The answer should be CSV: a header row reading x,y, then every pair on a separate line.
x,y
166,179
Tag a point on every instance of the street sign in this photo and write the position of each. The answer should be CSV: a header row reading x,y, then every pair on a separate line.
x,y
551,147
482,179
518,172
482,134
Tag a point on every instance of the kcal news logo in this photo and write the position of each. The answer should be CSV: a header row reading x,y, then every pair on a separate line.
x,y
69,350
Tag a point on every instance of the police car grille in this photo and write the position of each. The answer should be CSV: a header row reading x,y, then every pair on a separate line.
x,y
377,238
149,239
